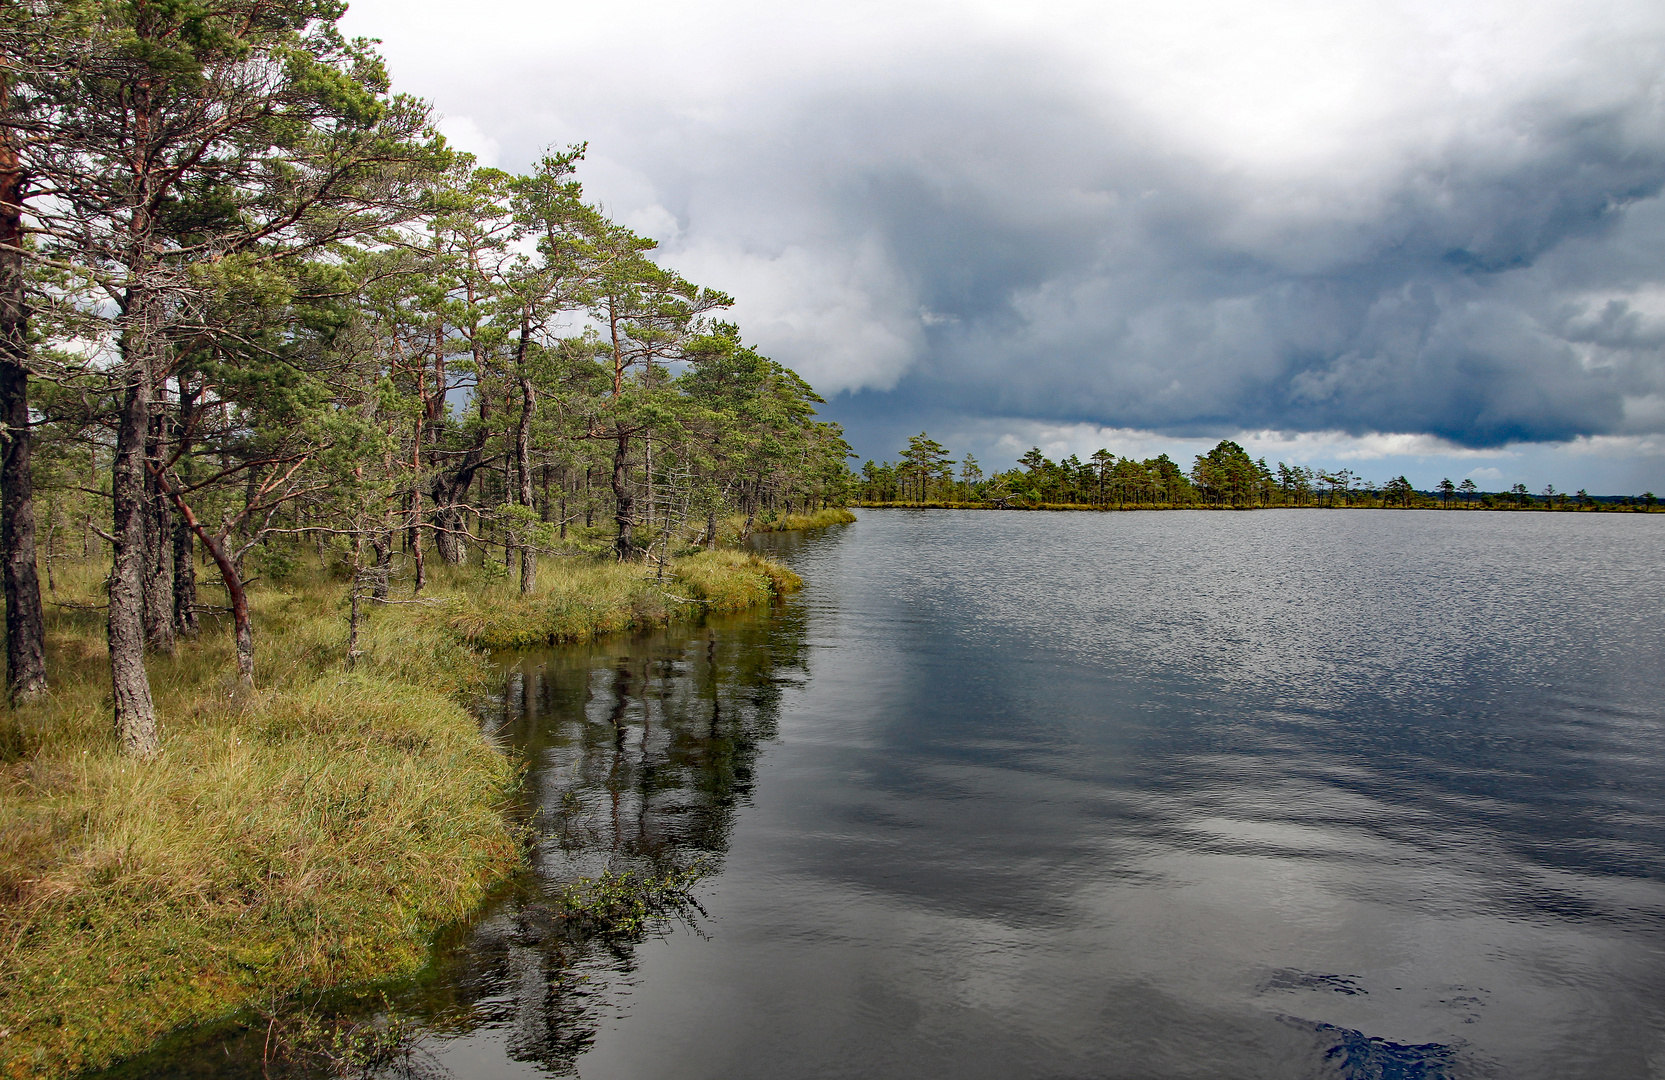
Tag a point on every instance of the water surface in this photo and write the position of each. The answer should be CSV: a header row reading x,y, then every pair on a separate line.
x,y
1275,794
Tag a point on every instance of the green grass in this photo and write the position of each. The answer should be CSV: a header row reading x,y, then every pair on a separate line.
x,y
820,519
312,833
1019,505
579,599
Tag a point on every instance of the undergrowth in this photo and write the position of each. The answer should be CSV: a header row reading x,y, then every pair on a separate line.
x,y
311,833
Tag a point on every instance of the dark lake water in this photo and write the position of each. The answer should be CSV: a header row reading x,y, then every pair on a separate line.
x,y
1009,795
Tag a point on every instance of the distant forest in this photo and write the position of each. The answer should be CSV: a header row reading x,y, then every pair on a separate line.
x,y
1224,477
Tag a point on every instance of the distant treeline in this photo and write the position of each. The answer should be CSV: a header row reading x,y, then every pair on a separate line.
x,y
1225,477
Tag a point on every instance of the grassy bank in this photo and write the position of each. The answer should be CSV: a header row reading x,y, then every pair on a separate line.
x,y
1016,505
311,833
820,519
1374,504
579,600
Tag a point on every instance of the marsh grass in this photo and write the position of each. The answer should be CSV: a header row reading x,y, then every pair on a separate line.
x,y
582,599
310,833
820,519
1017,505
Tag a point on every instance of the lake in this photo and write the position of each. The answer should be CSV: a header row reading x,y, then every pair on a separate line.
x,y
1359,794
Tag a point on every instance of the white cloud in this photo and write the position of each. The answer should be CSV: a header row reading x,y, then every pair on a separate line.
x,y
1303,446
465,135
1175,214
819,306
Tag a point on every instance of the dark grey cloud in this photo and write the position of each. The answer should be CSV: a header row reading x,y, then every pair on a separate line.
x,y
950,224
1119,289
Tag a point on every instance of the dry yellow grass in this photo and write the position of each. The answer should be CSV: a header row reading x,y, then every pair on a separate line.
x,y
312,833
820,519
578,600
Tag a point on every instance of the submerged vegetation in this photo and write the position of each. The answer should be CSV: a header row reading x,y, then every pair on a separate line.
x,y
1225,477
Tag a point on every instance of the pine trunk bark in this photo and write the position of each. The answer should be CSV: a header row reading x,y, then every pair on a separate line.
x,y
523,464
413,542
135,713
383,543
446,542
242,627
448,489
184,581
624,547
158,579
184,554
25,617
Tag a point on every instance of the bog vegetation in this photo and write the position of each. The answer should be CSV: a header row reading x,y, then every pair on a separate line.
x,y
298,406
1226,476
254,308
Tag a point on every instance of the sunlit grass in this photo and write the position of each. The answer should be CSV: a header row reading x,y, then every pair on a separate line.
x,y
311,833
820,519
579,599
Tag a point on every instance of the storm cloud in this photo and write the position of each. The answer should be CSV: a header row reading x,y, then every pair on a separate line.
x,y
1192,220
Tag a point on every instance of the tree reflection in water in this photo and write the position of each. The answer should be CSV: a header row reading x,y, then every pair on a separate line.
x,y
640,754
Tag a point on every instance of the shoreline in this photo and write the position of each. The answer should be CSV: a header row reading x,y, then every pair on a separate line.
x,y
1599,508
311,835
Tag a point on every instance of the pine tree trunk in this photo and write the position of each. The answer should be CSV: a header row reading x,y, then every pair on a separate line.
x,y
413,541
158,577
383,543
523,464
624,547
135,714
448,490
242,628
184,581
25,618
353,618
184,553
231,575
446,541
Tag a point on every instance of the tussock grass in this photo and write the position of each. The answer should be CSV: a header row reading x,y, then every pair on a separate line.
x,y
1018,505
728,580
310,833
580,600
820,519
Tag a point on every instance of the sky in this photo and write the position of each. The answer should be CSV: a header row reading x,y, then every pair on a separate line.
x,y
1419,237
